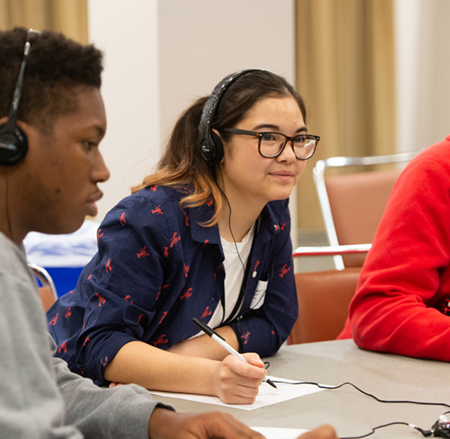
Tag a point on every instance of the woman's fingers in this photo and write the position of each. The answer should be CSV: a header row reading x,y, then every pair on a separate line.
x,y
237,381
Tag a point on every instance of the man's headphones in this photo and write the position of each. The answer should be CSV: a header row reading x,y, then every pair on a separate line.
x,y
211,147
13,140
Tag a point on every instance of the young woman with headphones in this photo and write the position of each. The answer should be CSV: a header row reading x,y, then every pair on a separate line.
x,y
206,236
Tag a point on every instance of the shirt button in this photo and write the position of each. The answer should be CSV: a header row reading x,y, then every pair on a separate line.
x,y
254,274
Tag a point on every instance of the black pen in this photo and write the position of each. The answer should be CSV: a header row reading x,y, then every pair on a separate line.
x,y
219,339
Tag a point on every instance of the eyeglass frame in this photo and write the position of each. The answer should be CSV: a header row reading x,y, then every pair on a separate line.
x,y
259,134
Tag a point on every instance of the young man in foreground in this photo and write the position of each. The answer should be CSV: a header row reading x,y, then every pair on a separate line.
x,y
50,166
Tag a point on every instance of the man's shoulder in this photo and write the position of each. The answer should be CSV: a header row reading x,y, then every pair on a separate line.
x,y
439,152
12,256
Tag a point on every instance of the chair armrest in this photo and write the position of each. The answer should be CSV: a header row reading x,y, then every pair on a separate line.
x,y
331,250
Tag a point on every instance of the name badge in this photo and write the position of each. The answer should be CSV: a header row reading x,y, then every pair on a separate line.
x,y
260,295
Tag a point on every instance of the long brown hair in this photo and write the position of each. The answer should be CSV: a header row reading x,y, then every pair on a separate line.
x,y
182,163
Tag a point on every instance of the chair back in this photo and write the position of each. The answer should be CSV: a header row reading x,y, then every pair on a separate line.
x,y
47,298
358,202
47,291
324,296
352,204
323,301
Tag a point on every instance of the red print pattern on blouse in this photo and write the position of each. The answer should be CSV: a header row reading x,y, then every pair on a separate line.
x,y
101,300
162,317
160,340
186,294
244,337
143,253
63,348
157,210
284,270
53,321
206,313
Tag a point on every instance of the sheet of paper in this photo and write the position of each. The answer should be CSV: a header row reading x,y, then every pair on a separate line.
x,y
267,394
279,433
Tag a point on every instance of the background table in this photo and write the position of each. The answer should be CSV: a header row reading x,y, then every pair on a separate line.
x,y
390,377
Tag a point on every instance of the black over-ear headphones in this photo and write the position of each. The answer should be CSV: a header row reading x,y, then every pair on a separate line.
x,y
211,146
13,140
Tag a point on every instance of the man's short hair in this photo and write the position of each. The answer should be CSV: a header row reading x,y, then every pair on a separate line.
x,y
56,67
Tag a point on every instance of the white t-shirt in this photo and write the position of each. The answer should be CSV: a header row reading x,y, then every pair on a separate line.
x,y
236,257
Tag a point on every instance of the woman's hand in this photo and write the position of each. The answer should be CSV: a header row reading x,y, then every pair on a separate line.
x,y
236,382
230,379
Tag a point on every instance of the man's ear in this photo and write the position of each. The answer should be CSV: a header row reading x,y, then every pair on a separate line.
x,y
23,125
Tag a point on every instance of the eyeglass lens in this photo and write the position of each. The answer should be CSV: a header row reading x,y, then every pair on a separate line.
x,y
270,145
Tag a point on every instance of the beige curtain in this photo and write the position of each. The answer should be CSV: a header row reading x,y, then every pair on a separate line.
x,y
345,71
66,16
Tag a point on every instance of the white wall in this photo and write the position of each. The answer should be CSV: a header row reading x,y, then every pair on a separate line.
x,y
423,72
163,54
407,18
432,122
128,34
202,41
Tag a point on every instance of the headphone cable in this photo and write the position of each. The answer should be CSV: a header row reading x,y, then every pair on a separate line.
x,y
425,433
8,219
320,386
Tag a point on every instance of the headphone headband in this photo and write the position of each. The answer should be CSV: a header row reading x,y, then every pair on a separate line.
x,y
211,147
13,140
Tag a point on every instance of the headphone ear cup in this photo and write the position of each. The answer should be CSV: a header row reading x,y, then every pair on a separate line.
x,y
208,151
218,146
13,145
207,146
212,149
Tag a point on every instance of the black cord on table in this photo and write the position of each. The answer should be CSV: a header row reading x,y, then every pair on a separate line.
x,y
425,433
365,393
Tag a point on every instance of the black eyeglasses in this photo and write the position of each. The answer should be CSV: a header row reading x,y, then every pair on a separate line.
x,y
272,144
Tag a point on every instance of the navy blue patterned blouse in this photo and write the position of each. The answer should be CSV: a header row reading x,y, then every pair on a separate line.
x,y
157,268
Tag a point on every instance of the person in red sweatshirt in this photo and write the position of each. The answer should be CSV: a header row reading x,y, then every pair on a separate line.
x,y
402,301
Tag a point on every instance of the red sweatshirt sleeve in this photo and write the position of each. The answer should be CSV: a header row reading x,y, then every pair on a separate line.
x,y
403,290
